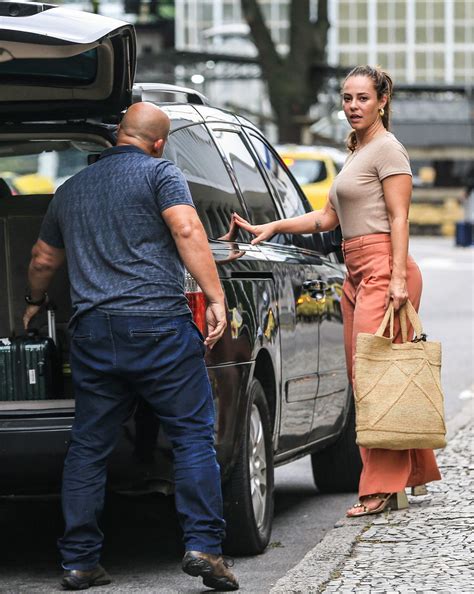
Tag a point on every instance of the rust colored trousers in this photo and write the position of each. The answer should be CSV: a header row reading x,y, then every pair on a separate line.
x,y
369,264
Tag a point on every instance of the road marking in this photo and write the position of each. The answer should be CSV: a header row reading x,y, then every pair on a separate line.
x,y
467,394
445,264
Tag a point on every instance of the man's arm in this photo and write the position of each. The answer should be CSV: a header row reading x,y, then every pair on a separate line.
x,y
191,242
45,260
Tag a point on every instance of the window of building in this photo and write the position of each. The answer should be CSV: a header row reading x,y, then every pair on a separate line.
x,y
362,34
400,10
344,35
420,60
214,195
460,9
420,11
400,34
344,11
421,34
459,59
382,10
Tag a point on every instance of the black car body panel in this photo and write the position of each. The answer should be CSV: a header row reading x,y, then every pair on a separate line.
x,y
283,296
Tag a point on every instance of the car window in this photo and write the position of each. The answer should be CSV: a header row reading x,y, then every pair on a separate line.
x,y
40,166
213,192
306,171
254,189
290,198
78,69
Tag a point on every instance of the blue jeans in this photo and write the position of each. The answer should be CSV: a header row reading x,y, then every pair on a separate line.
x,y
113,359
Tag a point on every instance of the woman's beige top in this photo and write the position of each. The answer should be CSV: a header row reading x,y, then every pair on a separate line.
x,y
357,193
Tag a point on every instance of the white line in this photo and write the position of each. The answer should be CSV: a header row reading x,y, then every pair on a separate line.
x,y
467,394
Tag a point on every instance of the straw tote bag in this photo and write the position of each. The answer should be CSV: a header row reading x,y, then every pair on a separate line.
x,y
398,396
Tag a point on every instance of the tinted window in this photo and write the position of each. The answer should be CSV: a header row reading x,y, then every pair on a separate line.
x,y
40,166
80,69
213,193
252,185
279,178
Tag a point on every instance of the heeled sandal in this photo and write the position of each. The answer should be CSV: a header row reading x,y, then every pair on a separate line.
x,y
392,501
419,490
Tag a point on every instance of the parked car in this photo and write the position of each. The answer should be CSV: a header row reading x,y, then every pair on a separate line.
x,y
278,374
314,168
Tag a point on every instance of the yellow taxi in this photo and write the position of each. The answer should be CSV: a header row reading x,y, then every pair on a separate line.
x,y
314,168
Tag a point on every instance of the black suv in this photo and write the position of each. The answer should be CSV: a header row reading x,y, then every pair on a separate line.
x,y
278,374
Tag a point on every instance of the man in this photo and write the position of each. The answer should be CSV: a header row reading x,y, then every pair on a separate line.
x,y
127,226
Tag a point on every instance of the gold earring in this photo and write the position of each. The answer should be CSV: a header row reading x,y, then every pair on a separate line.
x,y
381,112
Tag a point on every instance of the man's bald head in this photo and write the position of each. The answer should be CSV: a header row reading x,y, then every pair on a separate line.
x,y
146,126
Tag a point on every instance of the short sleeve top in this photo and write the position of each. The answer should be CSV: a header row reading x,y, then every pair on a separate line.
x,y
120,252
357,192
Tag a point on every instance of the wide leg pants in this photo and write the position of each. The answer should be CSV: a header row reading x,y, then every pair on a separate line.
x,y
369,264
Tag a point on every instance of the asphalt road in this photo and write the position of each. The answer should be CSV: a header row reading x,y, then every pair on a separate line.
x,y
143,550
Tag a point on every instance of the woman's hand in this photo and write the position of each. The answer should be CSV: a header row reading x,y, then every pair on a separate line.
x,y
261,232
397,292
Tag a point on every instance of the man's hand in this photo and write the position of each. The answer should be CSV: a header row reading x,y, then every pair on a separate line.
x,y
216,323
30,312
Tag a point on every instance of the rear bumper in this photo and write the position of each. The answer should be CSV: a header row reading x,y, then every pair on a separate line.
x,y
33,444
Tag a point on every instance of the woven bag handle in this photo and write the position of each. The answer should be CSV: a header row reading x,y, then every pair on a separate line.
x,y
389,316
407,309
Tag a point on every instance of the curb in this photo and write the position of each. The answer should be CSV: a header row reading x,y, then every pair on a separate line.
x,y
324,561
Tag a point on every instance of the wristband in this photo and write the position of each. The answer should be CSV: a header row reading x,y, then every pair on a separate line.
x,y
39,301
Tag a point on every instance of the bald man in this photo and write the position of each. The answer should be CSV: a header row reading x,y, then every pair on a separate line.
x,y
128,229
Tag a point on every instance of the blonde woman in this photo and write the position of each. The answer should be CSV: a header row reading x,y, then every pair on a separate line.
x,y
370,199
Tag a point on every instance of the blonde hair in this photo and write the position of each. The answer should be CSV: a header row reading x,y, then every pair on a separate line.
x,y
383,86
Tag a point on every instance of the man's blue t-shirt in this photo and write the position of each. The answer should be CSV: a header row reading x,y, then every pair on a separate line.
x,y
120,253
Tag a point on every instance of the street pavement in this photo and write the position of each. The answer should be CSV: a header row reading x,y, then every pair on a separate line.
x,y
427,548
430,546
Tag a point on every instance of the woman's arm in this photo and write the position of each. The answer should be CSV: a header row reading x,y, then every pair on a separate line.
x,y
311,222
397,192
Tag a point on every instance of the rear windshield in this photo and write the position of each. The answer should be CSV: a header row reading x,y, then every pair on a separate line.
x,y
80,69
39,167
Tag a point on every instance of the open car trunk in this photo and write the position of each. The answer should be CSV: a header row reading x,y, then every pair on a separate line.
x,y
32,165
60,64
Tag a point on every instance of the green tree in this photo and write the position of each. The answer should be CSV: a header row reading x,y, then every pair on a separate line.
x,y
293,80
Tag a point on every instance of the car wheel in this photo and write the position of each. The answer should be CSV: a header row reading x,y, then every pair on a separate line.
x,y
337,468
248,494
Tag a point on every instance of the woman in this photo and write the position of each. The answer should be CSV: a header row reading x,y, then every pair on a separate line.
x,y
370,199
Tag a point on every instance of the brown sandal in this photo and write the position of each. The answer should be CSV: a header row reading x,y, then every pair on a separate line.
x,y
391,501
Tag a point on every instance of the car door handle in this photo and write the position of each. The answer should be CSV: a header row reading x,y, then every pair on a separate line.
x,y
315,285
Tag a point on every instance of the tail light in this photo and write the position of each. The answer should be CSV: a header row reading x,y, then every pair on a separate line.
x,y
197,302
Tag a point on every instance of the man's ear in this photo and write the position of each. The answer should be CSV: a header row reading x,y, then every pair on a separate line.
x,y
159,145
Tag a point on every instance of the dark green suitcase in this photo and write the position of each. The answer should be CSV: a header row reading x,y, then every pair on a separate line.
x,y
7,370
30,367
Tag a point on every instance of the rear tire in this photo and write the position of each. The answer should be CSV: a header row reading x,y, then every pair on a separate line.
x,y
337,468
248,494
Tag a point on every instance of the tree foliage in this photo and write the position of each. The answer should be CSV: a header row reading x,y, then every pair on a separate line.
x,y
292,80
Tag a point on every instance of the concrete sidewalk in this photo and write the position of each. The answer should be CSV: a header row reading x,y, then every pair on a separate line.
x,y
426,548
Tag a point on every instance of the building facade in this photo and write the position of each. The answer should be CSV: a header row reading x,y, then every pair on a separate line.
x,y
418,41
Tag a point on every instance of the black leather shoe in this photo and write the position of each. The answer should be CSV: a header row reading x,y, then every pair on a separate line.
x,y
76,579
214,570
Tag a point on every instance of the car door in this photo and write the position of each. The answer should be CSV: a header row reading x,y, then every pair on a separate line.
x,y
72,64
320,340
288,266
